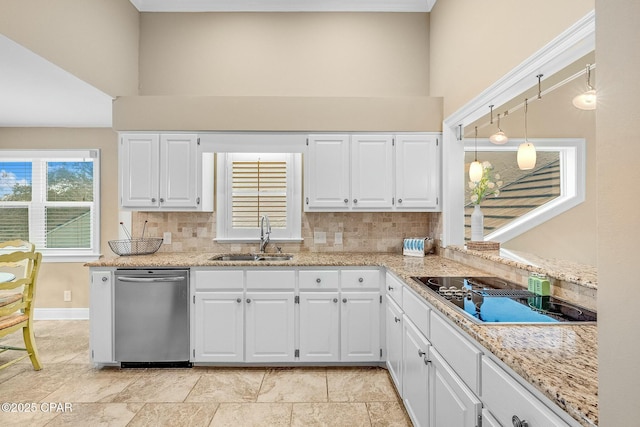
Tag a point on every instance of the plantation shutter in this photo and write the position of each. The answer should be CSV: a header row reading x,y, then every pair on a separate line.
x,y
259,188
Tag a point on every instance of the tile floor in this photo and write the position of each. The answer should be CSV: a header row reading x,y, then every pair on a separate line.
x,y
200,396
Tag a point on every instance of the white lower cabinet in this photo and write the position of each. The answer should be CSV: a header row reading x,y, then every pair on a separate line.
x,y
219,336
415,374
319,327
505,398
270,327
360,327
393,329
101,323
452,402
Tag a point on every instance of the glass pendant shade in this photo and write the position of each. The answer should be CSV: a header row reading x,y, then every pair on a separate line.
x,y
586,101
526,156
498,138
475,171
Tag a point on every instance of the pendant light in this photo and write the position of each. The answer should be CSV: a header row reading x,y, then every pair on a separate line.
x,y
475,168
526,150
586,100
499,138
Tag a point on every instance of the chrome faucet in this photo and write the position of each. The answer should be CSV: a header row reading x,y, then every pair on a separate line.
x,y
264,235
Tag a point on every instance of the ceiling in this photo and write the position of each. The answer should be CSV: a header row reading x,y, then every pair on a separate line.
x,y
283,5
38,93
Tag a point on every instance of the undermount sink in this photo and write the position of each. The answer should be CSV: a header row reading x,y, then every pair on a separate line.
x,y
251,257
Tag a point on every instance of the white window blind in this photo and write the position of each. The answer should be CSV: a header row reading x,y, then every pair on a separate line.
x,y
259,188
51,199
251,185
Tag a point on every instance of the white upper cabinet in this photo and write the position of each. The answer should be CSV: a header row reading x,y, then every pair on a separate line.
x,y
327,172
372,172
417,172
164,172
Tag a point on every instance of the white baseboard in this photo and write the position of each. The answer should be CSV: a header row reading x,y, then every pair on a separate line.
x,y
61,314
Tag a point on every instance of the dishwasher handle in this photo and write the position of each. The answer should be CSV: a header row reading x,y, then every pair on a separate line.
x,y
150,279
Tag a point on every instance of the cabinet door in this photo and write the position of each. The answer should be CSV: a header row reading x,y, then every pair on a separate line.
x,y
394,342
269,331
372,171
415,375
178,171
452,402
139,170
417,172
319,327
360,326
327,172
219,329
101,320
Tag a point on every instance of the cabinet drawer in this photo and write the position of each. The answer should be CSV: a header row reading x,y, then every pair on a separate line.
x,y
416,310
505,397
318,280
459,353
271,279
219,279
361,279
394,288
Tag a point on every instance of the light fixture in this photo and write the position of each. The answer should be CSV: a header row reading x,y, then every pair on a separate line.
x,y
526,150
586,100
499,137
475,168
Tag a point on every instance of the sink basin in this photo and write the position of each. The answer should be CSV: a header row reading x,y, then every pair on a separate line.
x,y
251,257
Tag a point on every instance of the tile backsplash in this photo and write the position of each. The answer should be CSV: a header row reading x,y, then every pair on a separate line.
x,y
361,231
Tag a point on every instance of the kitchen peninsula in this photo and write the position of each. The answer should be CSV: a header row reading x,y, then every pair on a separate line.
x,y
556,363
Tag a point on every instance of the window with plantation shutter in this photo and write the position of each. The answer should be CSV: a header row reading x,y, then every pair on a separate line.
x,y
252,185
51,198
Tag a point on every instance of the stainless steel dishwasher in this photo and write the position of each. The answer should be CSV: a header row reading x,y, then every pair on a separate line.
x,y
151,312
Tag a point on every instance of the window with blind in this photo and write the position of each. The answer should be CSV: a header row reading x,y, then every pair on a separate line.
x,y
51,198
252,185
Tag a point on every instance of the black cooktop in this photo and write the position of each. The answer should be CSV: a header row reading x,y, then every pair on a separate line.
x,y
494,300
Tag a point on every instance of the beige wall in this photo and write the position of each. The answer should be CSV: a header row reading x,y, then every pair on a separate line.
x,y
617,129
284,54
95,40
474,43
54,278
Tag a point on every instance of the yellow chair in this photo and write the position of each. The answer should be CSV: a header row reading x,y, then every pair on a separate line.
x,y
16,309
18,245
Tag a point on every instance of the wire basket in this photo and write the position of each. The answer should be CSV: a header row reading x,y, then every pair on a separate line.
x,y
144,246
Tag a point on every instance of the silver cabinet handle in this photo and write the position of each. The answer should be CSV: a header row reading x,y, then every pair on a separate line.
x,y
153,199
248,300
355,200
344,300
161,200
421,353
346,200
335,300
361,280
396,319
519,423
390,288
104,278
399,200
426,361
318,280
239,300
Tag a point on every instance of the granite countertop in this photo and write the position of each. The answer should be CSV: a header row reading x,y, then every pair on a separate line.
x,y
558,360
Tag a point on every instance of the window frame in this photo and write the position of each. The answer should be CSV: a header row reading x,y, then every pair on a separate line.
x,y
37,225
572,157
224,231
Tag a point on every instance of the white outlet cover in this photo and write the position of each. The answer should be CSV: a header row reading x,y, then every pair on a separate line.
x,y
166,238
319,237
338,238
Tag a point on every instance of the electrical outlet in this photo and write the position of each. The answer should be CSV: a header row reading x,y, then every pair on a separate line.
x,y
166,238
338,238
319,237
67,296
